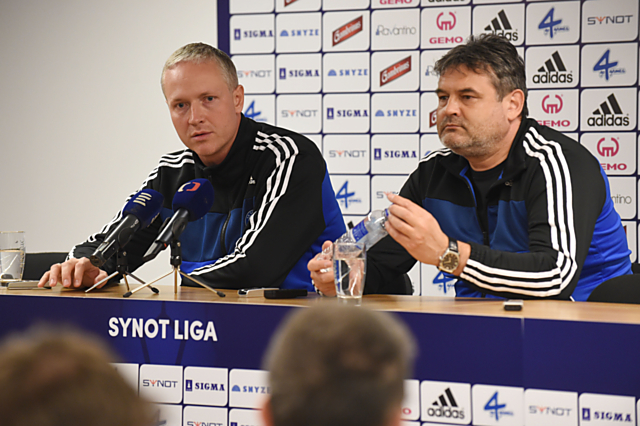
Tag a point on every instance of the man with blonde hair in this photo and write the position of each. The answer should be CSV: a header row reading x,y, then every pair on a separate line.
x,y
334,365
273,204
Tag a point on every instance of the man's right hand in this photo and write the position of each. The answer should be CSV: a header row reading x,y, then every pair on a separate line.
x,y
321,268
73,273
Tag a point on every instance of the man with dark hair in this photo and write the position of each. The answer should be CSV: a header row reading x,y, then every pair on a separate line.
x,y
52,377
338,366
510,207
273,204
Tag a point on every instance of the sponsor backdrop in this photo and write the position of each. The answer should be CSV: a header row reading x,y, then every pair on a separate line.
x,y
201,362
356,76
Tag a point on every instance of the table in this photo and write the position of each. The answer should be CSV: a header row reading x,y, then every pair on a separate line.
x,y
554,362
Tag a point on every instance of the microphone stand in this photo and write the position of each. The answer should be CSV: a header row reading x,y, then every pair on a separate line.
x,y
176,261
122,267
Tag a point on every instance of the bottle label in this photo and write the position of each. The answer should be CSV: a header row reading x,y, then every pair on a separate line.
x,y
359,231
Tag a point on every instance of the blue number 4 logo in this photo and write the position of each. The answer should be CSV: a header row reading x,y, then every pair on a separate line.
x,y
548,23
492,405
603,65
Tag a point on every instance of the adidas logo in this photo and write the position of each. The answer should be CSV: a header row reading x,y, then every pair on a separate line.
x,y
608,114
553,71
251,181
500,25
446,407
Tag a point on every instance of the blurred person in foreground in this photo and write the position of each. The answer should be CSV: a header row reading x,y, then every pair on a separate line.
x,y
338,366
55,377
510,208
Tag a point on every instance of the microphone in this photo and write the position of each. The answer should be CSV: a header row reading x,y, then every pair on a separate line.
x,y
138,213
192,201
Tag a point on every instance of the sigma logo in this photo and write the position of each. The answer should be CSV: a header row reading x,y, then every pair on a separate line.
x,y
495,409
608,114
550,26
345,197
550,411
551,107
587,415
346,113
383,31
282,73
609,20
238,34
446,406
500,25
446,22
347,31
608,149
433,118
149,383
397,113
263,390
605,68
345,153
354,72
395,71
300,33
189,386
378,154
253,74
553,71
288,2
298,113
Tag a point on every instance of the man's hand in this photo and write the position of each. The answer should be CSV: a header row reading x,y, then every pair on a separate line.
x,y
416,230
321,268
73,273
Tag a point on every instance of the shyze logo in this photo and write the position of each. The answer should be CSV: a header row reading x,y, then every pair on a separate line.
x,y
361,72
553,71
300,33
550,107
397,113
608,114
251,389
550,26
500,25
395,71
446,23
347,31
446,406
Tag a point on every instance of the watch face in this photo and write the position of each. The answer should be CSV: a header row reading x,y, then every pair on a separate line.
x,y
449,262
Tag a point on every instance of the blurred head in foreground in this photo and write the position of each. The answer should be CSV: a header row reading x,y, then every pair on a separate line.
x,y
55,377
338,366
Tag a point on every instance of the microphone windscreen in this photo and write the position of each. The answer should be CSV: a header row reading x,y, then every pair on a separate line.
x,y
195,196
145,205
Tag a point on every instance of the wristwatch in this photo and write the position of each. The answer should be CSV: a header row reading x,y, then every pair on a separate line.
x,y
450,259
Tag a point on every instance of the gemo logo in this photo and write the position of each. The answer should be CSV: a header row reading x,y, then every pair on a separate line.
x,y
150,383
254,73
189,187
447,23
445,40
608,149
381,30
348,153
551,107
606,20
353,72
342,113
298,113
550,411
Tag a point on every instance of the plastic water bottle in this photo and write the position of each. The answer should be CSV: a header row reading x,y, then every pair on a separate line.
x,y
369,231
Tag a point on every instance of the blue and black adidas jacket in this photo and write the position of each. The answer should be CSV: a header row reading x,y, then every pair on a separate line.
x,y
552,228
273,208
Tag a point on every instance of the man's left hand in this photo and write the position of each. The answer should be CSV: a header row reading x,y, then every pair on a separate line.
x,y
416,230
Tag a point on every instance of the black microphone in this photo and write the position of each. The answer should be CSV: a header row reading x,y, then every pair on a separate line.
x,y
138,213
192,201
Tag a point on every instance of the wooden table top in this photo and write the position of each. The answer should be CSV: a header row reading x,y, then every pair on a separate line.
x,y
533,309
